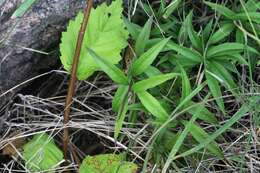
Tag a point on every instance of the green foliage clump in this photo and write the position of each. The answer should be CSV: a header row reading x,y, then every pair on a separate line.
x,y
105,34
41,154
107,163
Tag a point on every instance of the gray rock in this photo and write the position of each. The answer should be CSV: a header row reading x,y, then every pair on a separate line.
x,y
39,29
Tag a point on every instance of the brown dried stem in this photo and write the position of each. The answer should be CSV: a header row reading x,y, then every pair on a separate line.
x,y
73,79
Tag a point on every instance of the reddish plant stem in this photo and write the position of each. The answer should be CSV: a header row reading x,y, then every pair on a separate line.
x,y
73,79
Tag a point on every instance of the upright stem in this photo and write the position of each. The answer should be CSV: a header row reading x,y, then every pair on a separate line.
x,y
73,79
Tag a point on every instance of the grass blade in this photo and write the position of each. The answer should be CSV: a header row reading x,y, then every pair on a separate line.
x,y
152,105
110,69
224,48
119,97
153,82
204,114
194,38
143,37
186,87
200,135
207,31
190,54
215,90
120,117
222,33
22,8
221,9
239,114
180,139
171,8
146,59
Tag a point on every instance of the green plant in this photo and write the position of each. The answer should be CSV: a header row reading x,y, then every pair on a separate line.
x,y
107,163
176,78
105,26
41,154
19,12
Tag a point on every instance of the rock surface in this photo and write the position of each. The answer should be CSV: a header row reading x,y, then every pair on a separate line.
x,y
20,38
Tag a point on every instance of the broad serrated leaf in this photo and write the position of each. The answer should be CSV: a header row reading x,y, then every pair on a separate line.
x,y
146,59
41,154
222,33
152,82
110,69
105,34
152,105
107,163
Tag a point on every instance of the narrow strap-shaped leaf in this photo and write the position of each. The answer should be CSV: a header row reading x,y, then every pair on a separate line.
x,y
254,16
221,9
152,105
152,82
147,58
240,113
200,135
188,98
143,37
215,90
132,28
119,97
207,31
179,142
235,57
194,38
120,118
229,66
223,75
225,47
22,8
204,114
181,137
188,53
186,87
152,71
240,36
251,6
222,33
171,8
110,69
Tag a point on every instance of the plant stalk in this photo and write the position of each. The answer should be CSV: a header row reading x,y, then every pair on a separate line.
x,y
73,78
